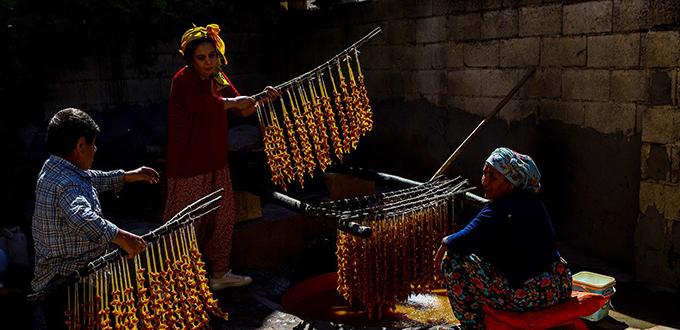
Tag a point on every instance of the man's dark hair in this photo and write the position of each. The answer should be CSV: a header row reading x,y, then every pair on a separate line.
x,y
191,48
66,127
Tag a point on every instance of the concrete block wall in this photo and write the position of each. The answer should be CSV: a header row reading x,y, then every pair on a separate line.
x,y
103,81
605,91
595,57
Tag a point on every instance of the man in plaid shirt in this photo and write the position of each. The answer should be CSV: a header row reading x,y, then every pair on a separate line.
x,y
68,227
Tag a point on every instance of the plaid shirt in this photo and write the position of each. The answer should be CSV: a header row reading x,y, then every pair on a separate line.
x,y
68,227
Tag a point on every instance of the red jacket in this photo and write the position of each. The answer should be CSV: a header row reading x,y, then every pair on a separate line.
x,y
197,126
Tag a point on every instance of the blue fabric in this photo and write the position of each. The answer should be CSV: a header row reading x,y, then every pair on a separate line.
x,y
519,169
514,233
68,227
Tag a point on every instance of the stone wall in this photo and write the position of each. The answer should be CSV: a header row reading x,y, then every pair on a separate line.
x,y
598,115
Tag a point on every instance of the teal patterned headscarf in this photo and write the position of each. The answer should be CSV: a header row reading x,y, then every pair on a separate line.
x,y
519,169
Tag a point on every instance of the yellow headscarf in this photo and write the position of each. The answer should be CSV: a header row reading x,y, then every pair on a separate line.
x,y
211,31
199,32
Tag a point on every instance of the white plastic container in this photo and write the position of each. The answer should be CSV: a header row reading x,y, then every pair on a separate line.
x,y
595,283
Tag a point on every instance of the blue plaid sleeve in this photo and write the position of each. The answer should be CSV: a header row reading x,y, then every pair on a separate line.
x,y
83,218
107,180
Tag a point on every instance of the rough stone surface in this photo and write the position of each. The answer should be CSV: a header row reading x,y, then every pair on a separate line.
x,y
400,31
520,52
402,57
675,164
498,82
546,83
455,55
660,88
587,17
614,50
664,12
480,106
660,52
657,163
492,4
543,20
431,81
518,110
481,54
658,125
585,85
473,5
629,15
567,112
465,27
500,24
431,29
443,7
418,8
628,85
660,196
650,231
464,82
609,118
376,57
563,51
430,56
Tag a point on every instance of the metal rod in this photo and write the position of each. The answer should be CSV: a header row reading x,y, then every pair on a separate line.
x,y
484,122
375,175
318,69
294,204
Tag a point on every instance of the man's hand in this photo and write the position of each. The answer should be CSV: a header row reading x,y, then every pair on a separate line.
x,y
143,174
131,243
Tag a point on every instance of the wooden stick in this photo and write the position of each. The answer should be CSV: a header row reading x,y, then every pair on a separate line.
x,y
484,122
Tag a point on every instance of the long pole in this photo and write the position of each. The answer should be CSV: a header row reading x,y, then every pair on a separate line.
x,y
484,122
312,73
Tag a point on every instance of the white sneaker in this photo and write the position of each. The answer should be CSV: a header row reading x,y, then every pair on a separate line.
x,y
229,280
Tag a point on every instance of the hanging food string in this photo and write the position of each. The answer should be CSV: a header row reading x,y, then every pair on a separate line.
x,y
142,296
330,117
344,121
308,114
283,157
355,99
367,113
311,120
270,148
378,272
315,102
350,112
301,129
294,147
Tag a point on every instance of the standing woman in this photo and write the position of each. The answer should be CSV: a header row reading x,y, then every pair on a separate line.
x,y
505,257
200,97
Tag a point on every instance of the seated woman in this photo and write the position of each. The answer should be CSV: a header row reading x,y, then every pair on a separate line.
x,y
506,256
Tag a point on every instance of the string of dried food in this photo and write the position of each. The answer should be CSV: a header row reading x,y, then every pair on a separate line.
x,y
344,120
324,150
330,117
303,133
365,106
350,138
357,108
171,291
294,147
